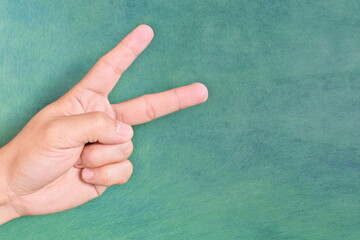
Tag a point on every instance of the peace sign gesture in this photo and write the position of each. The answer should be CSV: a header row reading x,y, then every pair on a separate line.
x,y
76,147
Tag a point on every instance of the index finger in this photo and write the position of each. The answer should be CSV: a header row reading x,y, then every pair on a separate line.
x,y
104,75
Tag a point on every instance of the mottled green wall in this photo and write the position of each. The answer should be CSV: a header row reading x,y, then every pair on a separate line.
x,y
273,154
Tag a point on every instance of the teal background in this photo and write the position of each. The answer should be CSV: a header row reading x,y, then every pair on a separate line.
x,y
273,154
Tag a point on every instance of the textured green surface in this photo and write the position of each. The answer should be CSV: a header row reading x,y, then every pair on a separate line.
x,y
274,154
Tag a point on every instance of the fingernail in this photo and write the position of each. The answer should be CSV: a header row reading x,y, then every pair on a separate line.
x,y
124,129
87,174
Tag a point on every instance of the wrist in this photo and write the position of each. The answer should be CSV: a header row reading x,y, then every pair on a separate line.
x,y
7,211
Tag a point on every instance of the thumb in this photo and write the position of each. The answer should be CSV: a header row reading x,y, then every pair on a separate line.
x,y
80,129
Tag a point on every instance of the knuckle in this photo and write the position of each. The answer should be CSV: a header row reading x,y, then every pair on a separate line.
x,y
50,129
127,172
177,99
106,177
149,108
128,149
116,69
101,119
131,50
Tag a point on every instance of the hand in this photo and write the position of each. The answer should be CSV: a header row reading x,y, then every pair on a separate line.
x,y
79,145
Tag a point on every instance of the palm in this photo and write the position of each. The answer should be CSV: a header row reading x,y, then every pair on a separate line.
x,y
67,185
53,183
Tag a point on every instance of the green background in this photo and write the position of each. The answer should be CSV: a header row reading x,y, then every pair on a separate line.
x,y
273,154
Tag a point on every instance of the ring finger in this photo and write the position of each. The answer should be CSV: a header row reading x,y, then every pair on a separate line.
x,y
96,154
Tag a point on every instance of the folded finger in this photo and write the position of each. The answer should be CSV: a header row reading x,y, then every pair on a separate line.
x,y
96,154
112,174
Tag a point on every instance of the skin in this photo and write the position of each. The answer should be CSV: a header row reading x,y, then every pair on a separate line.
x,y
76,147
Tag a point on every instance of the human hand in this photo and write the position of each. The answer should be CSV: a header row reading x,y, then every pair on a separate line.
x,y
79,145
